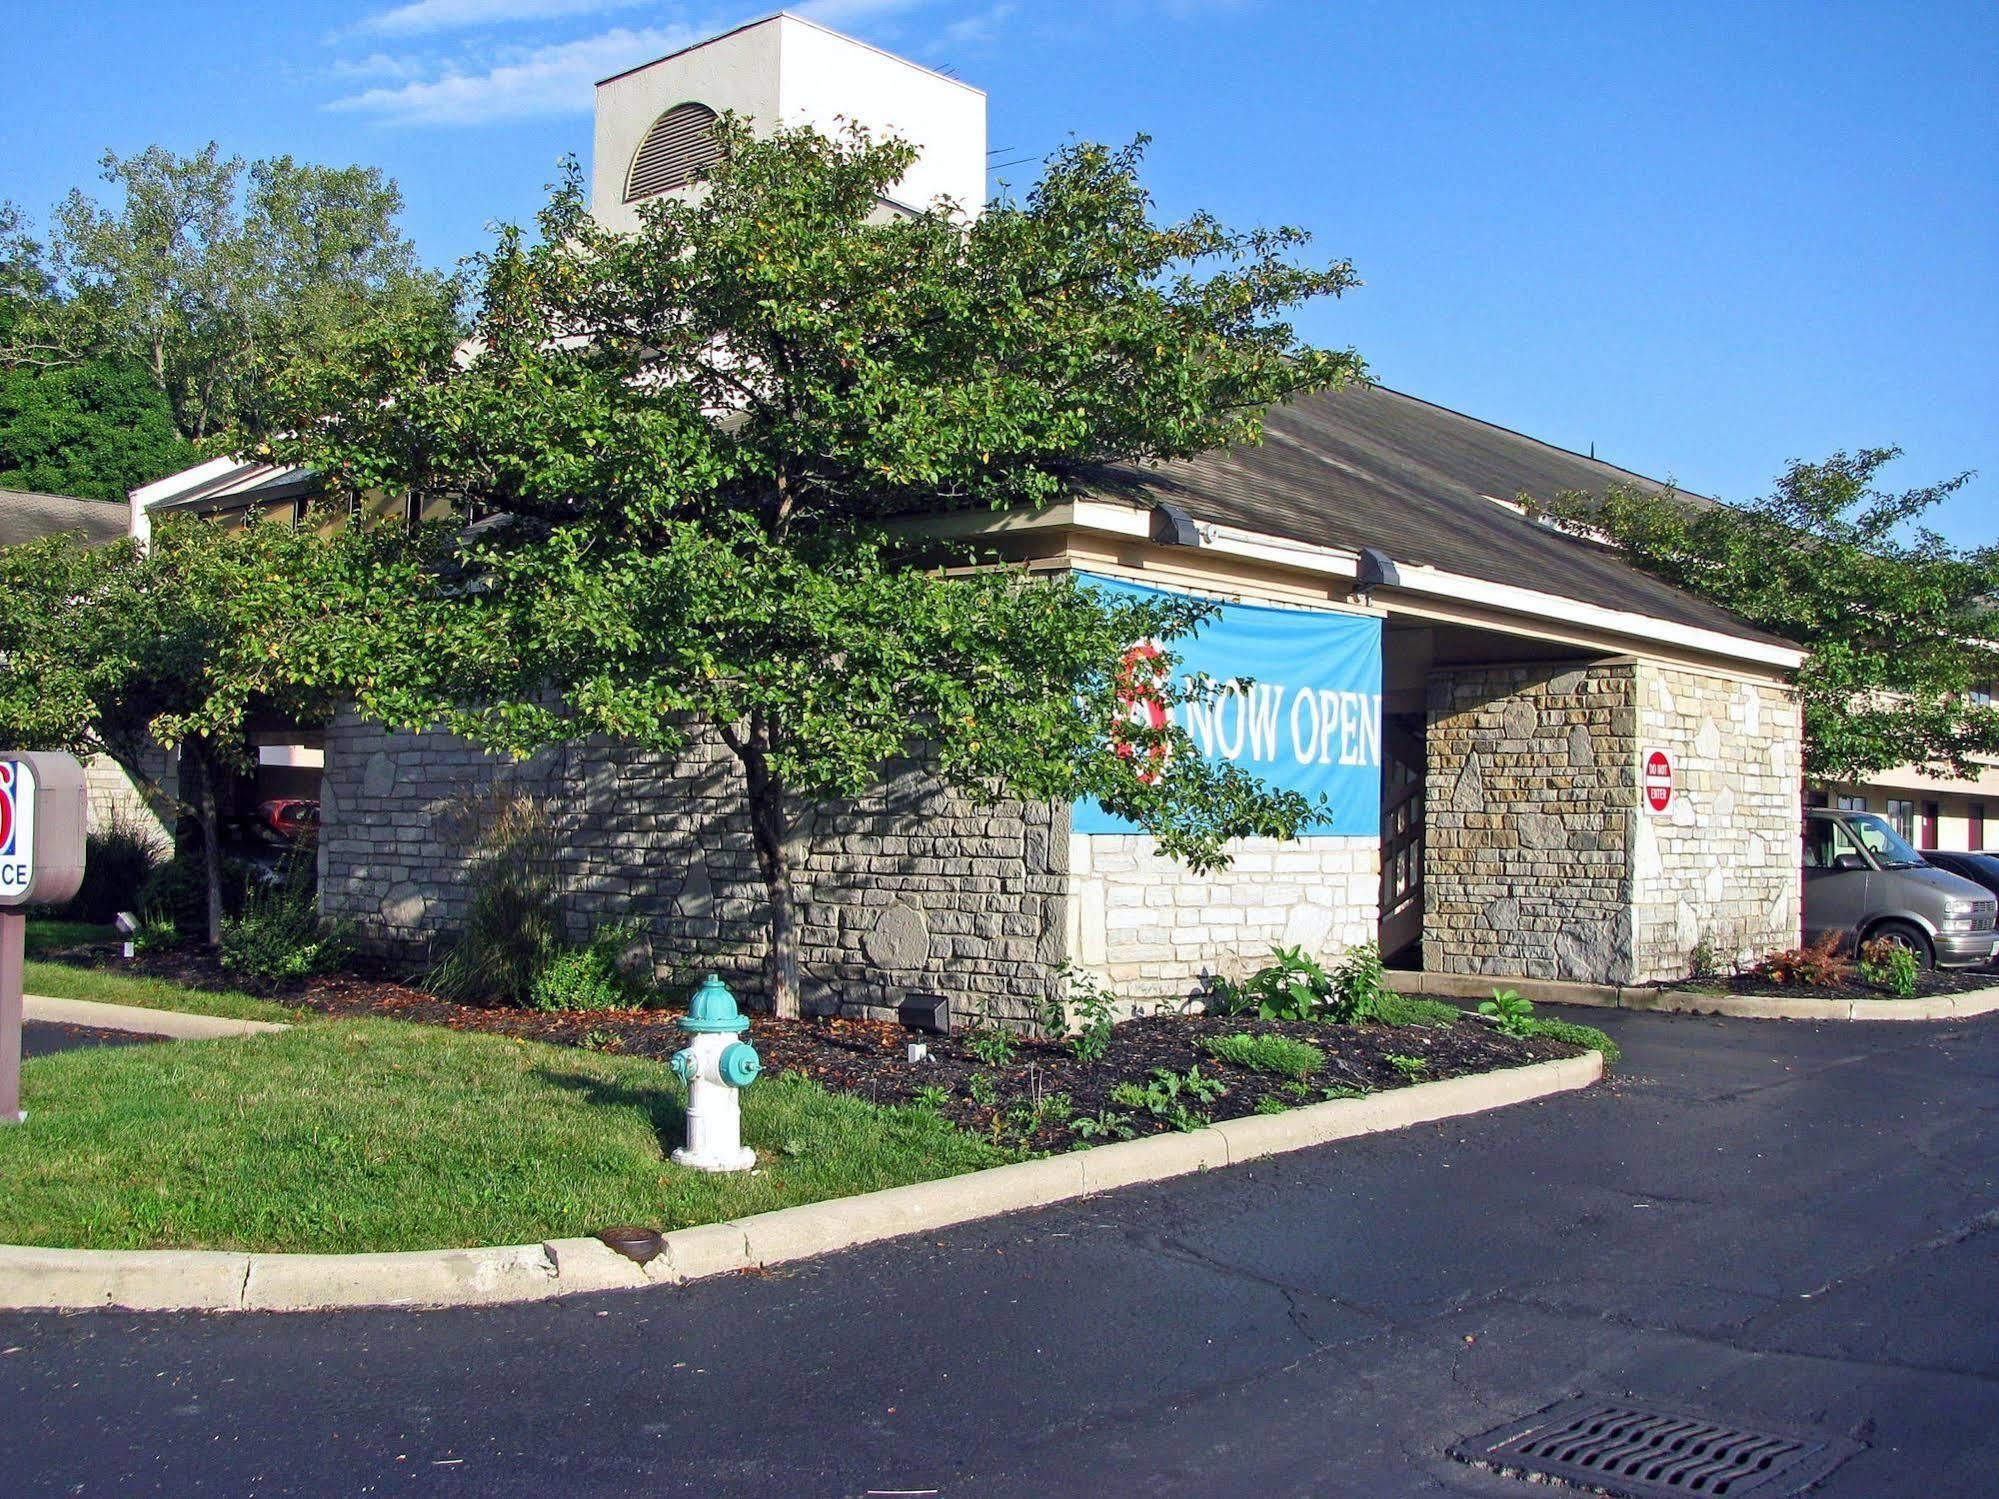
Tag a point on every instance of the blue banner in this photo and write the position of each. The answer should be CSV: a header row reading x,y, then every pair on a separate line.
x,y
1307,720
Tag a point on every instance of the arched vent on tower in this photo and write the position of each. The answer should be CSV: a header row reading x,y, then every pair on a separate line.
x,y
679,149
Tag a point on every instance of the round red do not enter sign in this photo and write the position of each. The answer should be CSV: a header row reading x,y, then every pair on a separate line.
x,y
1657,773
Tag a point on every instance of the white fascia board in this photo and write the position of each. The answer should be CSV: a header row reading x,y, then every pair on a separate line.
x,y
161,490
1126,521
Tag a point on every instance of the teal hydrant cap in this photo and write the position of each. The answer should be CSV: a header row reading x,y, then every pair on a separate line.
x,y
713,1010
740,1065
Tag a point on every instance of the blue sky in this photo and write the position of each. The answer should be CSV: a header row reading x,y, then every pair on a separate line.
x,y
1706,238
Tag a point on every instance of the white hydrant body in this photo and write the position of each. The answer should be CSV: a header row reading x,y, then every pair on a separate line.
x,y
716,1067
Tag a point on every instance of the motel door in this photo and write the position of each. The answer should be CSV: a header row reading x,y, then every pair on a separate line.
x,y
1401,832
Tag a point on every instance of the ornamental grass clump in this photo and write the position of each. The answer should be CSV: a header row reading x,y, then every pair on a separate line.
x,y
513,928
1278,1055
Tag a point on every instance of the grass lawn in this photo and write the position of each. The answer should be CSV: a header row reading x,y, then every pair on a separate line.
x,y
358,1135
61,981
43,936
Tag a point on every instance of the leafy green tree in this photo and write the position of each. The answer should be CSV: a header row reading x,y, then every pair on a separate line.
x,y
698,448
115,649
1900,627
210,276
98,430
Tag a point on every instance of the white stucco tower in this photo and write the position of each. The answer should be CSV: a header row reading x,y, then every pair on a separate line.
x,y
652,120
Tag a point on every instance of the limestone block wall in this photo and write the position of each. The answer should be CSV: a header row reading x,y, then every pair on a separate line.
x,y
913,887
1722,865
1153,930
116,800
1531,788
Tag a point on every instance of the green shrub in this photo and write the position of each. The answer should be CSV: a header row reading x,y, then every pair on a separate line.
x,y
1510,1011
1406,1010
1090,1008
177,892
118,860
1274,1054
1296,987
991,1045
280,935
513,928
1586,1036
1890,966
592,977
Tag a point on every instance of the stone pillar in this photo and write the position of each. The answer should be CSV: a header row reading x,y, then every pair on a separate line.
x,y
1540,860
1531,795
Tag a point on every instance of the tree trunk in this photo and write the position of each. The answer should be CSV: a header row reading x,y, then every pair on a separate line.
x,y
195,758
769,830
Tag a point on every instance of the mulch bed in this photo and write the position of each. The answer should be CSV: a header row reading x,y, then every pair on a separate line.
x,y
869,1058
1934,981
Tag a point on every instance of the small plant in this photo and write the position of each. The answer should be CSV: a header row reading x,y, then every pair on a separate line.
x,y
1413,1068
1360,984
280,936
1294,986
1588,1037
1404,1011
979,1088
1511,1012
1279,1055
1167,1093
592,977
992,1045
156,933
932,1097
1090,1009
1817,965
598,1038
1329,1094
1704,962
178,890
1890,966
1271,1104
1105,1124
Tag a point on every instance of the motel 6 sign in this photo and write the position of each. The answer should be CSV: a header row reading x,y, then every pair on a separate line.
x,y
42,824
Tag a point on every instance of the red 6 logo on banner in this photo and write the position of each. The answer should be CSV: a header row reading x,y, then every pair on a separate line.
x,y
1141,705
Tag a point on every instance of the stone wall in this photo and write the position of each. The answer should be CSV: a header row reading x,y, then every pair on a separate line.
x,y
1540,860
1152,929
1721,867
116,800
1531,791
912,888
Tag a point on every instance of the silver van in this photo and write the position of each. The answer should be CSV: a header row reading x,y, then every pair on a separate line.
x,y
1864,881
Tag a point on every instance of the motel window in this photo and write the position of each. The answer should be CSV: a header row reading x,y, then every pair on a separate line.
x,y
1975,831
1852,803
1982,696
1902,818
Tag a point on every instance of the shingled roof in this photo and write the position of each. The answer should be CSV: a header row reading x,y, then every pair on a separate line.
x,y
24,516
1369,466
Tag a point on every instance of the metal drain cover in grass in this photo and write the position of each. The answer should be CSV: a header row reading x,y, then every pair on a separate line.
x,y
1644,1452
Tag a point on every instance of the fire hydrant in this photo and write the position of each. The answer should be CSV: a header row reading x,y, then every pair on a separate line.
x,y
715,1068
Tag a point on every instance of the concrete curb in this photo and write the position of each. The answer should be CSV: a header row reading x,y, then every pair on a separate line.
x,y
178,1024
1691,1002
34,1279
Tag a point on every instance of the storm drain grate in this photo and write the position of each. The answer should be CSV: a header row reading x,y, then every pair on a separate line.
x,y
1644,1452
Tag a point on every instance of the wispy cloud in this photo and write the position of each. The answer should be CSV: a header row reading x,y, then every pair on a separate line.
x,y
420,16
550,80
490,80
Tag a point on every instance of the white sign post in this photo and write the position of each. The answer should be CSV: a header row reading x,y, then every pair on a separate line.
x,y
43,805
